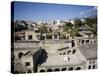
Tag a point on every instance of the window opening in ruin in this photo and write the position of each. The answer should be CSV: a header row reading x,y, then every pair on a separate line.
x,y
30,37
27,63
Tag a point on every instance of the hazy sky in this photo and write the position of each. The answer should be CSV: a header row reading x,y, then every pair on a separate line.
x,y
44,11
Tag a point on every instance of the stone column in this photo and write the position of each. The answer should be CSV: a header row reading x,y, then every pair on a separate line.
x,y
66,36
45,37
57,36
85,41
52,36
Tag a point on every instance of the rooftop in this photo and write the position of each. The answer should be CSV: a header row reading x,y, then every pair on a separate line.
x,y
89,50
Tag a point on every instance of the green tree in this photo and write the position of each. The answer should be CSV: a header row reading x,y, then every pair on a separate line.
x,y
78,23
74,32
67,26
91,21
43,29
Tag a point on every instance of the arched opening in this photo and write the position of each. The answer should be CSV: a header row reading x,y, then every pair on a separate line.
x,y
20,54
57,69
64,53
89,67
70,68
49,70
87,41
60,54
74,51
73,43
63,69
93,66
94,41
29,71
82,41
42,70
69,52
93,61
78,68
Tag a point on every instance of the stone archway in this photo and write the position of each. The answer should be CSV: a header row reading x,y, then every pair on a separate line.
x,y
63,69
71,68
69,52
78,68
49,70
57,69
42,70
